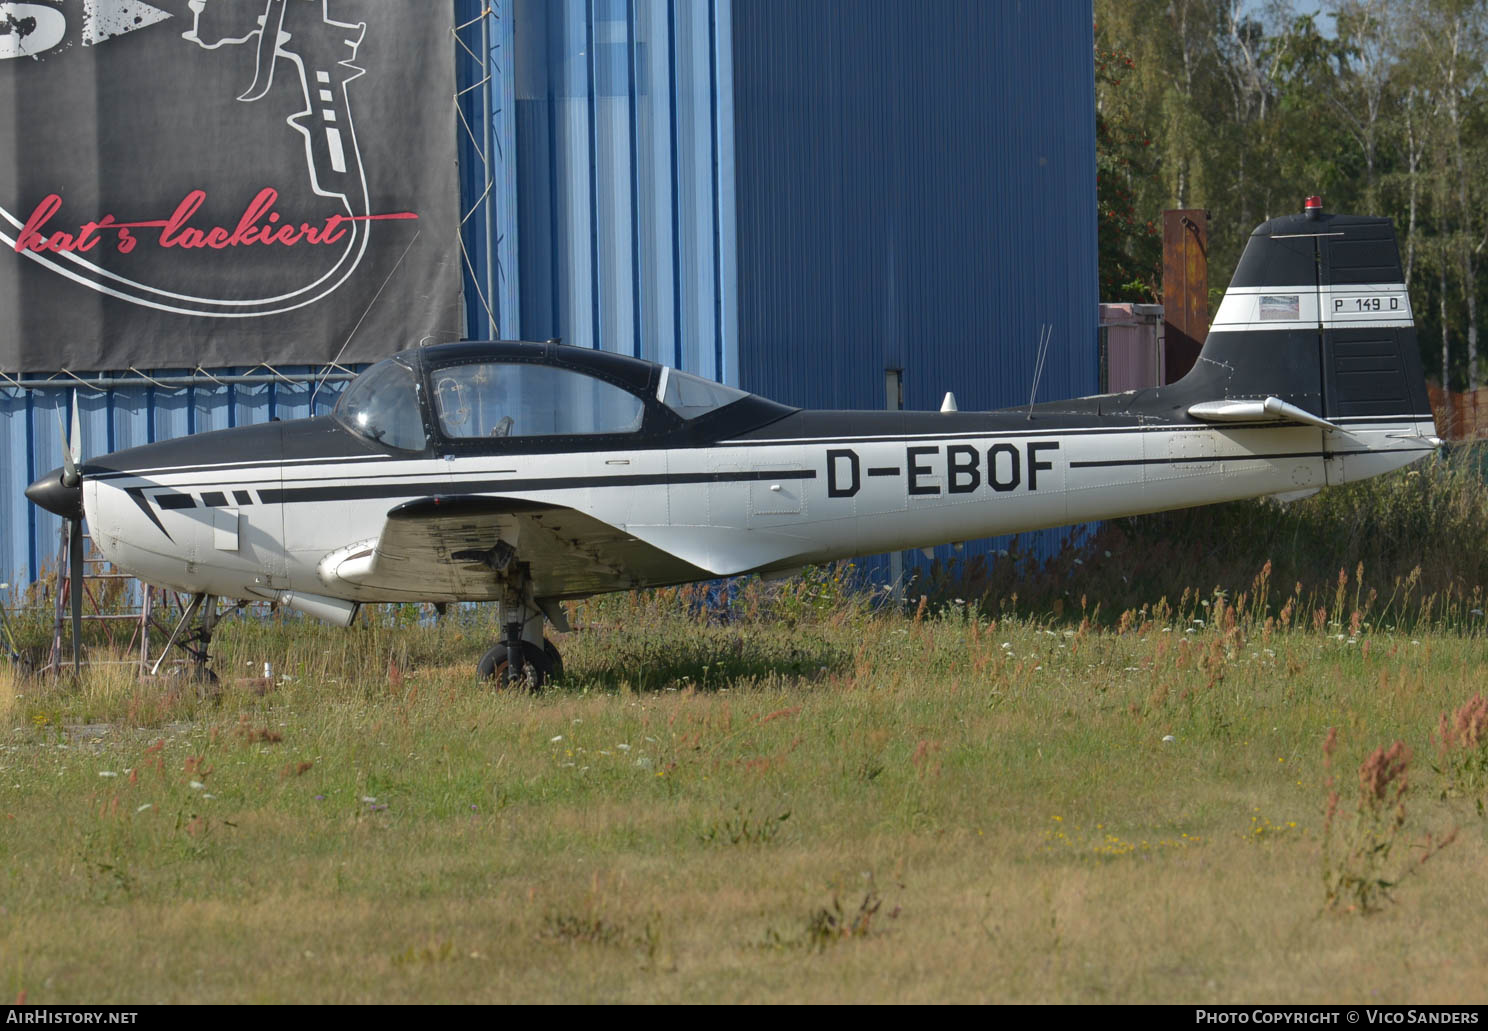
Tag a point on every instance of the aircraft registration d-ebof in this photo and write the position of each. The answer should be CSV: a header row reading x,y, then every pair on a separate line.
x,y
530,473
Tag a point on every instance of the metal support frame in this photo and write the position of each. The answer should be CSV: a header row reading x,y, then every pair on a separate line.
x,y
199,379
140,620
181,624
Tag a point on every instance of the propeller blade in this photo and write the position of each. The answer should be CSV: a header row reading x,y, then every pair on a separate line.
x,y
70,475
75,438
75,585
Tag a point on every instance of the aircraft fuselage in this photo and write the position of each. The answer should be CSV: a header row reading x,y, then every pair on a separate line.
x,y
251,528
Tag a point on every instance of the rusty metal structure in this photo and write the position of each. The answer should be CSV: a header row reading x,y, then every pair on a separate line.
x,y
1185,289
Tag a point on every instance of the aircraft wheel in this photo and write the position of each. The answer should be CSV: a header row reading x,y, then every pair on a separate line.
x,y
557,660
535,662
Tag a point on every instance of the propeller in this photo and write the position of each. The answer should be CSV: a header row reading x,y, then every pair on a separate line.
x,y
61,491
71,479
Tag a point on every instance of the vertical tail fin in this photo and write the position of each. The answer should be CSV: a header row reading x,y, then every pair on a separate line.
x,y
1318,314
1316,328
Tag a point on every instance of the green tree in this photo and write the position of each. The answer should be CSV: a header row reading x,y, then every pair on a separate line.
x,y
1249,107
1130,247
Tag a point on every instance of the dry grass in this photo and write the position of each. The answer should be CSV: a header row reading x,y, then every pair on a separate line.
x,y
8,691
813,803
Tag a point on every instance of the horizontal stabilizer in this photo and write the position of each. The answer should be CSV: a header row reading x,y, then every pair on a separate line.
x,y
1272,409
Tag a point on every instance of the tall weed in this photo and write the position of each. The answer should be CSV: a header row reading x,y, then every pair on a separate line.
x,y
1360,866
1408,549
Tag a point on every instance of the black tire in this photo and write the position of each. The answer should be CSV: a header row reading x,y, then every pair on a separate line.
x,y
557,660
535,660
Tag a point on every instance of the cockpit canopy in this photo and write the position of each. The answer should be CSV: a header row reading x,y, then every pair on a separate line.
x,y
521,399
382,404
691,396
465,393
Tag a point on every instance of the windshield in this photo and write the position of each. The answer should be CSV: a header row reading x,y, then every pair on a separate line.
x,y
690,396
382,405
520,399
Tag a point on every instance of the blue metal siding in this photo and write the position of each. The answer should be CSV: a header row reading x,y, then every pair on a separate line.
x,y
623,162
916,189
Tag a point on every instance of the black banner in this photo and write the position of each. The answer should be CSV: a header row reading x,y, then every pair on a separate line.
x,y
225,182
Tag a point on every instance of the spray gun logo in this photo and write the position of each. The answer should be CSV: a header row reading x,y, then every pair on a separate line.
x,y
299,38
296,43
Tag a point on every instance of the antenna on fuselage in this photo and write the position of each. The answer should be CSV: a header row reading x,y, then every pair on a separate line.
x,y
1046,334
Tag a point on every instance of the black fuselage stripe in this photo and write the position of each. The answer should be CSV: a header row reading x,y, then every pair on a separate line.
x,y
1077,432
368,491
403,488
358,492
244,467
1205,459
137,495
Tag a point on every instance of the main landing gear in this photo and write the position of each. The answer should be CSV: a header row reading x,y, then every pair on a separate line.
x,y
523,657
539,665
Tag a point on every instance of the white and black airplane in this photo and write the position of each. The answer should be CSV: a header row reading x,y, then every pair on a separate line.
x,y
529,473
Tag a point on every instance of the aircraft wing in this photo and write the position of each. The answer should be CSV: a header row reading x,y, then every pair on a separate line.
x,y
449,549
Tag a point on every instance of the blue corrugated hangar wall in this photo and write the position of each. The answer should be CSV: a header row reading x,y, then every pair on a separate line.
x,y
915,190
792,196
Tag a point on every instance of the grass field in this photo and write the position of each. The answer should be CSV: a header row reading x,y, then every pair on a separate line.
x,y
815,803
